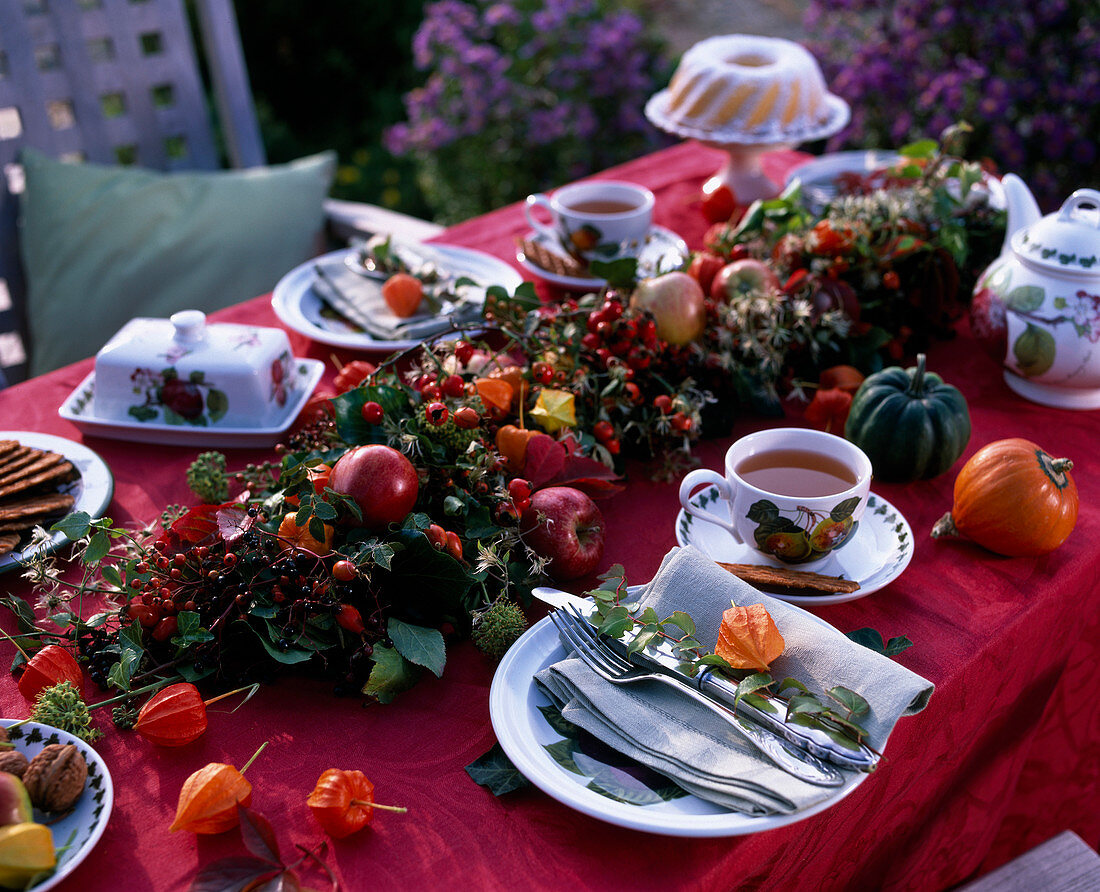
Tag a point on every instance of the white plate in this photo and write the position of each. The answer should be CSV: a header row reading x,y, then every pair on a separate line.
x,y
819,176
88,819
875,556
662,252
92,490
524,732
77,408
300,307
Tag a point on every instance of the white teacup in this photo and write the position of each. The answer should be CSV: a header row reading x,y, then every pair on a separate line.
x,y
795,495
599,220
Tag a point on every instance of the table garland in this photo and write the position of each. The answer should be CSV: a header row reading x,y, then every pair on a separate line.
x,y
274,570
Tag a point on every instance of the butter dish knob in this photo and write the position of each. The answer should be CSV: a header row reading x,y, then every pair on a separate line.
x,y
190,326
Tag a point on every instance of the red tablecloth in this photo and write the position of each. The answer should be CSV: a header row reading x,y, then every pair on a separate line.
x,y
1006,755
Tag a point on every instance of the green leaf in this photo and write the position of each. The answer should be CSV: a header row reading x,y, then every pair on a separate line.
x,y
73,525
869,638
287,657
97,550
554,719
111,575
850,700
217,404
390,675
787,683
131,651
897,644
756,682
24,614
495,771
616,623
142,413
418,645
642,639
189,631
924,148
805,704
682,621
1025,298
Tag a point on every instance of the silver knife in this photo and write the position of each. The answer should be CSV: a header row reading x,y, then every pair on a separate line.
x,y
716,687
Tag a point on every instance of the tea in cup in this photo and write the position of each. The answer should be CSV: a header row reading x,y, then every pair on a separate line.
x,y
794,495
598,220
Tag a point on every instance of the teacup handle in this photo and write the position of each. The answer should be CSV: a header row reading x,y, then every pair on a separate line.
x,y
698,478
540,200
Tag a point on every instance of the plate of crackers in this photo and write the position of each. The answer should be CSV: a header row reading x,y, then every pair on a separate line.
x,y
877,554
42,479
662,251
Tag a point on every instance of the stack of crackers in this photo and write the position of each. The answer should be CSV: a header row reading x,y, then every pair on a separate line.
x,y
30,480
551,261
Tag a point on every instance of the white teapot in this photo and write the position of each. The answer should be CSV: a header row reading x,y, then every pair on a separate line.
x,y
1047,282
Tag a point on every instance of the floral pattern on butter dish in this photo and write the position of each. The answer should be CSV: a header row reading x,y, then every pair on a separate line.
x,y
808,535
280,378
175,400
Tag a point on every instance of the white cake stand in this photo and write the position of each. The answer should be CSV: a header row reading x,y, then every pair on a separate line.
x,y
742,171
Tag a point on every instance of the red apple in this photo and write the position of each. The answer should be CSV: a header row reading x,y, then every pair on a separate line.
x,y
704,267
380,480
564,525
676,302
743,277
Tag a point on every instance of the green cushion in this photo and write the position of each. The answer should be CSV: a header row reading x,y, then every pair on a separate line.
x,y
103,244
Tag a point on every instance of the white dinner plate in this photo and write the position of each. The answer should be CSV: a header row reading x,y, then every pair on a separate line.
x,y
81,828
78,408
92,489
300,307
662,251
875,556
516,705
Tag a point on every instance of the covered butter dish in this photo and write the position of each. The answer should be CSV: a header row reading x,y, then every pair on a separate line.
x,y
182,371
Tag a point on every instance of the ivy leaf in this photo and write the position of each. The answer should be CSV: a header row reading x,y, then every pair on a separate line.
x,y
288,657
189,631
756,682
131,651
616,623
418,645
24,614
495,771
850,700
232,874
805,704
682,621
258,836
872,639
390,675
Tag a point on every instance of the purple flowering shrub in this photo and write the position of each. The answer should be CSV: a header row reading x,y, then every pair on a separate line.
x,y
522,96
1025,75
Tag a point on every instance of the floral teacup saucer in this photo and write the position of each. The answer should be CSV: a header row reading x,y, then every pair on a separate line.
x,y
876,555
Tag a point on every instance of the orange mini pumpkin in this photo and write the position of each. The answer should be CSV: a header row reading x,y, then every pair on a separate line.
x,y
1013,498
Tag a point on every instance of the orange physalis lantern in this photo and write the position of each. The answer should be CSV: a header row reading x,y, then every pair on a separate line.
x,y
343,802
302,537
173,716
748,638
51,665
209,798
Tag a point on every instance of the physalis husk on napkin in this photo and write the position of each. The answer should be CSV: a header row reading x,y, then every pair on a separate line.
x,y
748,638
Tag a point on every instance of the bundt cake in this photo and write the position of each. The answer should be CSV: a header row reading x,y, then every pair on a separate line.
x,y
743,85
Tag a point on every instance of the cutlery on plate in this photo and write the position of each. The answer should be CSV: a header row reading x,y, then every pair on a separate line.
x,y
717,688
606,663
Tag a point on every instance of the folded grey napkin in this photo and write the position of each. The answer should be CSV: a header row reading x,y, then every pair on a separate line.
x,y
359,299
666,731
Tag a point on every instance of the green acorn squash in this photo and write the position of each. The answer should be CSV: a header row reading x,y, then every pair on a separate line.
x,y
910,423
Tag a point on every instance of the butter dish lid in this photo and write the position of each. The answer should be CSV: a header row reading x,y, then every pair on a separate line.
x,y
184,370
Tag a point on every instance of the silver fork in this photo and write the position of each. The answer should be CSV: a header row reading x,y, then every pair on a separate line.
x,y
612,667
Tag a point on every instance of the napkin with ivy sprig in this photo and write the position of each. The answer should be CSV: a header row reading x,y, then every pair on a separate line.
x,y
668,732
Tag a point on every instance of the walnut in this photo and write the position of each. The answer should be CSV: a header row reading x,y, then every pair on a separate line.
x,y
55,777
13,762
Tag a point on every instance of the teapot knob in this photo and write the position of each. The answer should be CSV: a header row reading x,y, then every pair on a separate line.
x,y
1082,198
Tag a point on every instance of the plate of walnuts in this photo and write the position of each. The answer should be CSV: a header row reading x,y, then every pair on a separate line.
x,y
70,790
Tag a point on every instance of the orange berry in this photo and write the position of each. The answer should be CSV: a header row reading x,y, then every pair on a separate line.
x,y
403,294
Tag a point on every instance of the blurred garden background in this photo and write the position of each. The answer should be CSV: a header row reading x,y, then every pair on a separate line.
x,y
447,108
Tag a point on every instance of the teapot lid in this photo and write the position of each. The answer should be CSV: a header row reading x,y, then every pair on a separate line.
x,y
1067,240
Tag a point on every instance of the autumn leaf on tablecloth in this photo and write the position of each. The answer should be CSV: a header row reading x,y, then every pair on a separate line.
x,y
554,409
